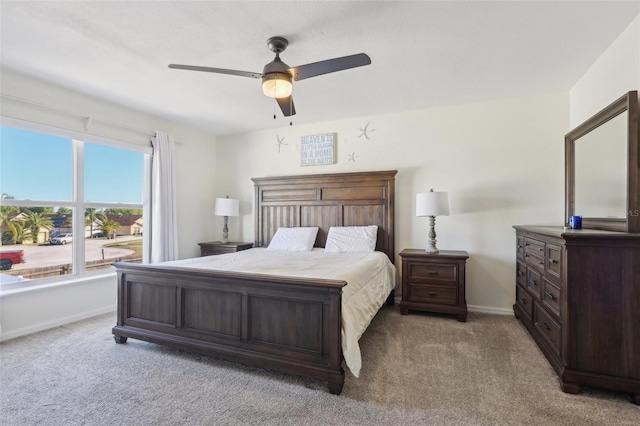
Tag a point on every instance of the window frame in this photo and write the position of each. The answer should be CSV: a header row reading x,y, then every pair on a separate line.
x,y
77,204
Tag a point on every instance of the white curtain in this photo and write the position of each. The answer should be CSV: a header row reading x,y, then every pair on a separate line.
x,y
164,231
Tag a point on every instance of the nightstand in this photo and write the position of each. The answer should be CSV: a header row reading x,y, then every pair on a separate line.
x,y
434,282
217,247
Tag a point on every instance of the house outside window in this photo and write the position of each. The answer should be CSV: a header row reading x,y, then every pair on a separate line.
x,y
71,205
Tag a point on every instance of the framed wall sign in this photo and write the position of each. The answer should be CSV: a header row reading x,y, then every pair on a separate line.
x,y
316,150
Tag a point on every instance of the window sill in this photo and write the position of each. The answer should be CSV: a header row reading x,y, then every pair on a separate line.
x,y
26,286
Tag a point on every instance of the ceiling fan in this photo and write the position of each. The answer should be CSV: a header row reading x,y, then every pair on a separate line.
x,y
277,76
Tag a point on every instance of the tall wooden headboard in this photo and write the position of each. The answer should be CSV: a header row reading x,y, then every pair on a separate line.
x,y
339,199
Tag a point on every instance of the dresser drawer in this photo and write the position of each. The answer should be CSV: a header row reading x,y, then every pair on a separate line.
x,y
533,248
521,274
520,247
524,301
548,327
535,260
534,282
436,294
554,261
434,273
551,297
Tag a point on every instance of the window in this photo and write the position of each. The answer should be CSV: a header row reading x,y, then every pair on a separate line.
x,y
70,204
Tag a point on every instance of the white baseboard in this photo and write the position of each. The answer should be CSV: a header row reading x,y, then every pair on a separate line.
x,y
490,310
54,323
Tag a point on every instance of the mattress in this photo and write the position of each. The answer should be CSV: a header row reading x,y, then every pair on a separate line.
x,y
370,278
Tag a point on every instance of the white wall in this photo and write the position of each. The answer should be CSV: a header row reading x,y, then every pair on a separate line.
x,y
28,311
195,165
616,72
502,163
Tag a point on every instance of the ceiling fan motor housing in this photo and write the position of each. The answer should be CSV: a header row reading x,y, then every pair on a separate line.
x,y
276,80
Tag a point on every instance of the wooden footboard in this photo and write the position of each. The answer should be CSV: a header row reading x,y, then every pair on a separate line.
x,y
286,324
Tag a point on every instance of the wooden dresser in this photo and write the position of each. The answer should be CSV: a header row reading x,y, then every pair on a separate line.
x,y
434,282
578,295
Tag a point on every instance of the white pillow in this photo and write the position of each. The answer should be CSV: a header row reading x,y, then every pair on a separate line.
x,y
343,239
294,239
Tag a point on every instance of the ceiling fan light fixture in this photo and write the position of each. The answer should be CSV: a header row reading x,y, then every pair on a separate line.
x,y
277,77
277,85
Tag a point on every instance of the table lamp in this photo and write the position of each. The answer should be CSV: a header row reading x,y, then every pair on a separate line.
x,y
226,207
432,204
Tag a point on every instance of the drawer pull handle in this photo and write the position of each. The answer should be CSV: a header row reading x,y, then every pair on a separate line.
x,y
546,325
432,272
431,293
553,261
523,301
549,295
533,282
540,249
540,263
519,246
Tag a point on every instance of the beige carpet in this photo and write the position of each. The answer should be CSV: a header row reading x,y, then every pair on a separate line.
x,y
417,369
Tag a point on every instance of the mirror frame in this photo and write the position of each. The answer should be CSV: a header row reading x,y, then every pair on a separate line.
x,y
629,103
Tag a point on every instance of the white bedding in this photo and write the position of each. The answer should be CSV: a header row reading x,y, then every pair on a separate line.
x,y
370,278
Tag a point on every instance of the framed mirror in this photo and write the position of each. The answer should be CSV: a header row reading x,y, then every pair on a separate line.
x,y
602,167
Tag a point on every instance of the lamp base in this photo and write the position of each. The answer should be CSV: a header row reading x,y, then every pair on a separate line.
x,y
225,231
431,241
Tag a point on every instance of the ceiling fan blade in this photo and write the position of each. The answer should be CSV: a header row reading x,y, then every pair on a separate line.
x,y
330,65
216,70
286,105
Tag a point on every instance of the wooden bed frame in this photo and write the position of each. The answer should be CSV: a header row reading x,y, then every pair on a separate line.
x,y
292,325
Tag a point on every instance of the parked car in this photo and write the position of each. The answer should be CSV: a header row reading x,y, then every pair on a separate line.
x,y
99,234
62,239
11,257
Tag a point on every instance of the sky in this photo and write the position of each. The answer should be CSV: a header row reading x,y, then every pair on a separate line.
x,y
36,166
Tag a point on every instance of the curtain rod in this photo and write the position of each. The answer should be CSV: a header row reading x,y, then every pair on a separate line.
x,y
87,120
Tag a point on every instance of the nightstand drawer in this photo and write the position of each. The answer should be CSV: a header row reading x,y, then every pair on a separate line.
x,y
208,251
437,294
436,273
216,247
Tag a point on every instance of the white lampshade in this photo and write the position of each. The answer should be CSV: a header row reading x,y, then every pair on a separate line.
x,y
277,85
432,204
227,207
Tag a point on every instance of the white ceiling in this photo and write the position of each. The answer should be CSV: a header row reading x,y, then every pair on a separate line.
x,y
424,54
